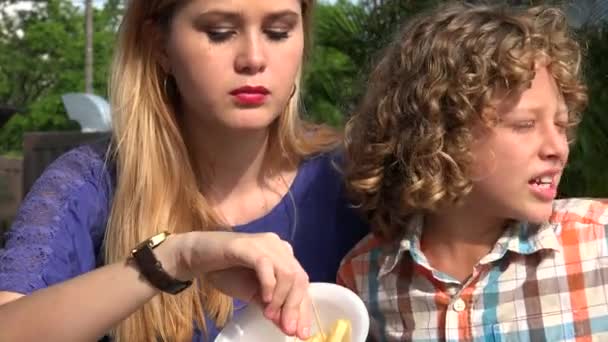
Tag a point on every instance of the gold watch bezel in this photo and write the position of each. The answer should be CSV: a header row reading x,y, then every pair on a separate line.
x,y
152,242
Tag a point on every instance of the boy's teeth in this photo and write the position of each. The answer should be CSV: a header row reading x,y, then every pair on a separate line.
x,y
544,181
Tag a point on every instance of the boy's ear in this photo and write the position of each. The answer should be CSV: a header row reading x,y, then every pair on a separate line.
x,y
159,39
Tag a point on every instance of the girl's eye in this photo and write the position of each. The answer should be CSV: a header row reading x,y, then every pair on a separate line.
x,y
220,35
276,34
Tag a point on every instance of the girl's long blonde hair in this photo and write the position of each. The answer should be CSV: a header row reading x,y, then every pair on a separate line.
x,y
157,186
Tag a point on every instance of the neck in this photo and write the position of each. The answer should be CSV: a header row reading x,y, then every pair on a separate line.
x,y
236,160
456,238
462,225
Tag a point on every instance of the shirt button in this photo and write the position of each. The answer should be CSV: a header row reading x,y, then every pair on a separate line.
x,y
459,305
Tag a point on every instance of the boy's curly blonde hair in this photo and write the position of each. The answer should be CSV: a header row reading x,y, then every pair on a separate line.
x,y
408,145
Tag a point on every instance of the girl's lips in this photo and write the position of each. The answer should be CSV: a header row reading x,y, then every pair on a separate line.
x,y
250,95
250,90
250,98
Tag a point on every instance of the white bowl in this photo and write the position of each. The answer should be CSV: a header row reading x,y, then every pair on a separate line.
x,y
332,301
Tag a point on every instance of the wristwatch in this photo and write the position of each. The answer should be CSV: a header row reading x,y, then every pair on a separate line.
x,y
152,269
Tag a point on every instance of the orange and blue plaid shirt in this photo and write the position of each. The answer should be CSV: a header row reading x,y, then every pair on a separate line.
x,y
545,282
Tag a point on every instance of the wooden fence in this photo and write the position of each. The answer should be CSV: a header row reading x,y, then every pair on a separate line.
x,y
11,187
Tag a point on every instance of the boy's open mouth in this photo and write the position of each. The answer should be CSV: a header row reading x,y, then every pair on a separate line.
x,y
542,182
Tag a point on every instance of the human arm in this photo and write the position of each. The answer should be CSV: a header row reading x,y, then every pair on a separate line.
x,y
87,306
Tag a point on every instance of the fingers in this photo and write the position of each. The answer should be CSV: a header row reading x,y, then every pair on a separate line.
x,y
283,284
266,276
290,290
305,318
292,300
297,321
285,271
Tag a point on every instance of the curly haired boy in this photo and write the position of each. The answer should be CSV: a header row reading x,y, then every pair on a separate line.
x,y
454,156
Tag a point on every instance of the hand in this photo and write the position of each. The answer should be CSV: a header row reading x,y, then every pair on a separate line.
x,y
259,268
242,283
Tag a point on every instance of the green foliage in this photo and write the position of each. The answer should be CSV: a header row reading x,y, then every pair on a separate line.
x,y
46,114
43,57
588,165
40,51
348,36
328,81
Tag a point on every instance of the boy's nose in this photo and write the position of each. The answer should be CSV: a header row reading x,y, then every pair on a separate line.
x,y
555,144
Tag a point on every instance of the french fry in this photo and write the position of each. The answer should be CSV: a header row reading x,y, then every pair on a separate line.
x,y
340,332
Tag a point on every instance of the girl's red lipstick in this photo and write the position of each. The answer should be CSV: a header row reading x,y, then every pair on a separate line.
x,y
250,95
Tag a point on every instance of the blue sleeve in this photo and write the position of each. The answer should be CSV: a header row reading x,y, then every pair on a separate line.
x,y
59,227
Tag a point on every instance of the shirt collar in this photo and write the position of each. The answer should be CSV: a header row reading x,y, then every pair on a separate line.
x,y
519,237
524,238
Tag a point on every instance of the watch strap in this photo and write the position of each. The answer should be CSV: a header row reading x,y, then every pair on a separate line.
x,y
152,269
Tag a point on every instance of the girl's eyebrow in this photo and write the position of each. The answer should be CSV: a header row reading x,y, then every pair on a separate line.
x,y
220,15
284,14
237,17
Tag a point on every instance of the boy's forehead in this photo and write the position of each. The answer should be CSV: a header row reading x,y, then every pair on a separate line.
x,y
543,91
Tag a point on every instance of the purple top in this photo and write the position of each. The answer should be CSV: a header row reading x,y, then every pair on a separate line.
x,y
59,229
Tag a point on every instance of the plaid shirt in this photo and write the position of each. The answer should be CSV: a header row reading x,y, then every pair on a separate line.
x,y
544,282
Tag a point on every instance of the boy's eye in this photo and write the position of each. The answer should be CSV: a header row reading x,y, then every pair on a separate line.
x,y
524,125
562,126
